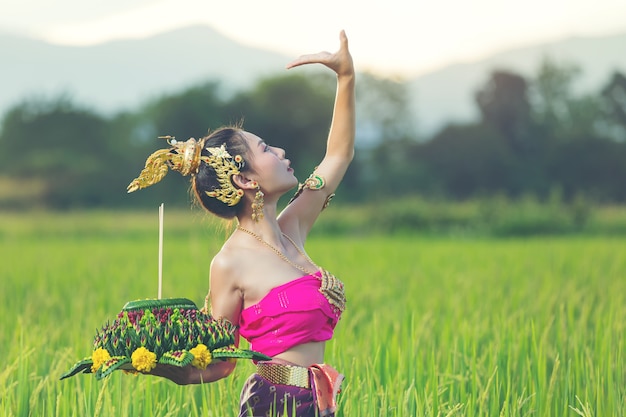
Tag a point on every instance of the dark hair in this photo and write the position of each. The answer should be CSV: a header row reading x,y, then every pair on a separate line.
x,y
206,178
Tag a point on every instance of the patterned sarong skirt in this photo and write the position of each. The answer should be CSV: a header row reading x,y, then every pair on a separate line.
x,y
265,396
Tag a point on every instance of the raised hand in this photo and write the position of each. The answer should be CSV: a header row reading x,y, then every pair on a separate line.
x,y
340,61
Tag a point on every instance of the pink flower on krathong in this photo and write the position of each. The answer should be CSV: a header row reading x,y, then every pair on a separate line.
x,y
98,357
201,356
143,360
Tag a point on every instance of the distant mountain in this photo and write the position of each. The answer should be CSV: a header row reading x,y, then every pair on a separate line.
x,y
447,95
123,74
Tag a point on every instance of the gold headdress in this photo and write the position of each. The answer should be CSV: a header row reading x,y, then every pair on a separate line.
x,y
185,157
225,166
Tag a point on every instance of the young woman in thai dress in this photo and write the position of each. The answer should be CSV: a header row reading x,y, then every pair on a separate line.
x,y
262,280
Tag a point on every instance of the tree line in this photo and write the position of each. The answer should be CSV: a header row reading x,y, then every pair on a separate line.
x,y
534,136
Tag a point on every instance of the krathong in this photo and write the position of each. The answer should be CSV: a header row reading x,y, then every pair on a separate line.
x,y
161,331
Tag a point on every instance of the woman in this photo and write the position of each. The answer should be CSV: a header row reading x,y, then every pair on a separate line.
x,y
262,279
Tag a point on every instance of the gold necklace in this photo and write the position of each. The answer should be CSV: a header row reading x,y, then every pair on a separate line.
x,y
279,253
331,287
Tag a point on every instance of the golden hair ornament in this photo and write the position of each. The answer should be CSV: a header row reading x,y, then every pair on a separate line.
x,y
183,157
225,166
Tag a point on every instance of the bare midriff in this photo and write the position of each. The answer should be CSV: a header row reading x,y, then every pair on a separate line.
x,y
305,354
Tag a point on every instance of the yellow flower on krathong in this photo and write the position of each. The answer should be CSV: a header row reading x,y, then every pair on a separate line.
x,y
143,360
99,357
201,356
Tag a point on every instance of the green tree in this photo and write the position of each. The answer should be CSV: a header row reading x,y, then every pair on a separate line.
x,y
614,105
386,140
466,160
504,106
578,154
590,167
61,144
384,110
189,113
557,110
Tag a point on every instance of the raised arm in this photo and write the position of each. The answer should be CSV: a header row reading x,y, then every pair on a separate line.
x,y
340,143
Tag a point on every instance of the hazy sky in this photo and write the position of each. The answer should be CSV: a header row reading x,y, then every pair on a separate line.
x,y
404,37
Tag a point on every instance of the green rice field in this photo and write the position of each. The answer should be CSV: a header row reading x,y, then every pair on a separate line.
x,y
435,325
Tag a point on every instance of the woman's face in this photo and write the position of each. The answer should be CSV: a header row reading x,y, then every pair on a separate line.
x,y
269,165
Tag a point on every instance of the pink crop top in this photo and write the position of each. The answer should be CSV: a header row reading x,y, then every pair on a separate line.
x,y
304,310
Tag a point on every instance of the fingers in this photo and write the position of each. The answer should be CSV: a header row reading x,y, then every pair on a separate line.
x,y
324,57
343,39
308,59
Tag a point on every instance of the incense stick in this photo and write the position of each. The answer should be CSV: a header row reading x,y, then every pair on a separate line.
x,y
160,250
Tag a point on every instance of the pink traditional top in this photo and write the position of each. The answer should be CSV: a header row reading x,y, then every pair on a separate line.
x,y
304,310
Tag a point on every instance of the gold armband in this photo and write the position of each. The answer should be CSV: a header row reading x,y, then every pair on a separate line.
x,y
315,182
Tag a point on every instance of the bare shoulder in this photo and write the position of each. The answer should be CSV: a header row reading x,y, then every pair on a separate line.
x,y
233,265
225,270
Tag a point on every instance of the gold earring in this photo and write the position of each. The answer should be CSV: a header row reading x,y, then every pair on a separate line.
x,y
257,204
